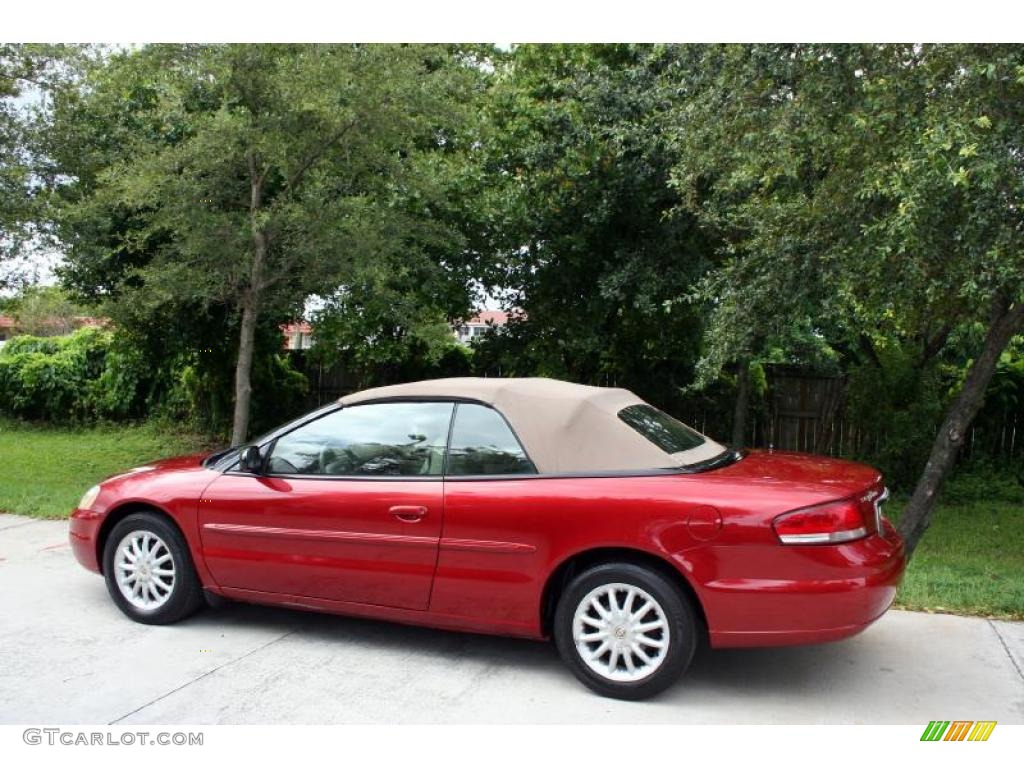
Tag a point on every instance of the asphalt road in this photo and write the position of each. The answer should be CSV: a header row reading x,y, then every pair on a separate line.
x,y
68,656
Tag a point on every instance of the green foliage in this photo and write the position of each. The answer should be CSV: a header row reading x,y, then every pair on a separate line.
x,y
118,391
52,378
658,212
389,316
88,375
27,71
279,391
579,238
1005,394
980,480
47,345
17,65
862,188
898,405
94,374
191,390
223,185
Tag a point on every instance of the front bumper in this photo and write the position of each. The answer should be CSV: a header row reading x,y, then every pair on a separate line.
x,y
824,593
84,535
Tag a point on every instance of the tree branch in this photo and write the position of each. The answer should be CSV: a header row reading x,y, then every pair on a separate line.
x,y
934,344
864,342
296,177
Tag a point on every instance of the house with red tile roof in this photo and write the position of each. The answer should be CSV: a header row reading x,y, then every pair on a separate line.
x,y
297,335
480,324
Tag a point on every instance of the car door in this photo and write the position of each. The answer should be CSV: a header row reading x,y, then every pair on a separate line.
x,y
349,508
497,516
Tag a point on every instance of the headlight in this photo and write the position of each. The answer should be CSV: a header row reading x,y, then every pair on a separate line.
x,y
89,498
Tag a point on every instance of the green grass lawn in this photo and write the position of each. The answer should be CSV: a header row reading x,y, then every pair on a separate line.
x,y
971,559
45,470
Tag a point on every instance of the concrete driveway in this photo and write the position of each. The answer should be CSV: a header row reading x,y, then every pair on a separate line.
x,y
67,655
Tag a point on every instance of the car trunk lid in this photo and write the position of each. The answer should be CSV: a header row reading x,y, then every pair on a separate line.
x,y
835,478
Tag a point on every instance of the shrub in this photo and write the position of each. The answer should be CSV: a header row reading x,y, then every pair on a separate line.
x,y
93,375
120,390
981,479
52,378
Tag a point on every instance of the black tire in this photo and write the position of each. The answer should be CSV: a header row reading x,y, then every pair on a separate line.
x,y
679,618
186,594
214,601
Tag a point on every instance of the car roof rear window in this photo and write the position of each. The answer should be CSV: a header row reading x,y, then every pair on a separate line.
x,y
670,435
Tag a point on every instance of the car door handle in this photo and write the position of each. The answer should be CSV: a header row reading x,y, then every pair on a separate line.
x,y
409,514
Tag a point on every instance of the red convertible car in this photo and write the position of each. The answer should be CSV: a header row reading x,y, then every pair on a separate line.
x,y
526,507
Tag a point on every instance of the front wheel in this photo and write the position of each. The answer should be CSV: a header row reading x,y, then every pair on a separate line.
x,y
149,571
625,631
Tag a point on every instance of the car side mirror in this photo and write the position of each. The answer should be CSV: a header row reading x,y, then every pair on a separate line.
x,y
250,460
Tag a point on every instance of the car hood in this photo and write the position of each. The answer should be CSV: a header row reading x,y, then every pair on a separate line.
x,y
163,483
188,461
817,474
175,464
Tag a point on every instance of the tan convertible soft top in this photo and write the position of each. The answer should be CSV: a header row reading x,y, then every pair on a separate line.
x,y
564,427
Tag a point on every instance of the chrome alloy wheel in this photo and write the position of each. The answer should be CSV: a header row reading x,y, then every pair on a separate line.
x,y
144,569
621,632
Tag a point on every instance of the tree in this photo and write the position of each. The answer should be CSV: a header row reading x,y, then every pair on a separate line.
x,y
24,76
248,177
392,318
578,234
872,189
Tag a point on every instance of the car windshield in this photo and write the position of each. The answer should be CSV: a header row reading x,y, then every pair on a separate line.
x,y
661,429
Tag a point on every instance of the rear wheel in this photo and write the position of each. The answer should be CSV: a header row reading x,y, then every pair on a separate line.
x,y
149,570
625,631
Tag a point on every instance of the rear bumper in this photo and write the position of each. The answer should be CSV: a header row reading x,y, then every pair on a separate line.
x,y
827,593
83,535
768,638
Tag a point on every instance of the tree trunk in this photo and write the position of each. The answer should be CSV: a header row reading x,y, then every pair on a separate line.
x,y
247,341
739,417
1007,321
243,369
250,310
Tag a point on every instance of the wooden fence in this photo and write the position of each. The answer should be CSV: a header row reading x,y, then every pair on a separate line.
x,y
802,412
805,412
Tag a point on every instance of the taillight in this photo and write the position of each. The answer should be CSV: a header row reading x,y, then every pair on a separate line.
x,y
831,523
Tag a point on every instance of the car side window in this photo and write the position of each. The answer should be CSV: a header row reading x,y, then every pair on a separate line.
x,y
482,443
375,439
